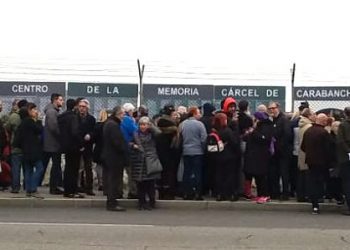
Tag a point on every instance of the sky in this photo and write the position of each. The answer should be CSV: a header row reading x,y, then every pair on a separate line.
x,y
242,39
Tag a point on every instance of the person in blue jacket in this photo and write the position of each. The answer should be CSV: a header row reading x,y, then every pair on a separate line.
x,y
128,128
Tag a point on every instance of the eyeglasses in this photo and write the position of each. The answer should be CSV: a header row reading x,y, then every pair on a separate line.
x,y
82,106
272,108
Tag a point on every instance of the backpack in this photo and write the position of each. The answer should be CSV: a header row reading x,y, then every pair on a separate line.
x,y
214,143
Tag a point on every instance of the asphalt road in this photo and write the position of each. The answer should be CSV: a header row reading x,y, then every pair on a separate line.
x,y
94,228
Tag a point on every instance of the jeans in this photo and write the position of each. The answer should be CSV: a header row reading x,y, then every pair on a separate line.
x,y
32,175
192,177
16,165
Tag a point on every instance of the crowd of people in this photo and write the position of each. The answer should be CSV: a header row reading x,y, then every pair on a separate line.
x,y
182,152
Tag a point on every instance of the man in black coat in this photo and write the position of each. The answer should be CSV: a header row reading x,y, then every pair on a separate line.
x,y
86,128
70,143
279,167
114,156
343,152
317,145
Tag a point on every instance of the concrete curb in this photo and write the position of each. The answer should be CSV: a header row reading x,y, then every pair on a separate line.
x,y
172,204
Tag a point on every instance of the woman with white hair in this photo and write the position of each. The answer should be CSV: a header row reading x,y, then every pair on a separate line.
x,y
145,164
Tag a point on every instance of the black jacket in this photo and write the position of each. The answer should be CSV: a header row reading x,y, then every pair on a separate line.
x,y
114,148
283,135
244,122
231,154
343,142
98,138
3,139
317,145
30,139
87,126
70,139
258,154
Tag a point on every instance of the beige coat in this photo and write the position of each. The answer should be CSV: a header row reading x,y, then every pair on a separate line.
x,y
304,124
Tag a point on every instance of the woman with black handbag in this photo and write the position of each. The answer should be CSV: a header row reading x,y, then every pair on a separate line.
x,y
145,164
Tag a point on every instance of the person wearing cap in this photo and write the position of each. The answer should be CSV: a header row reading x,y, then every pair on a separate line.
x,y
128,127
317,145
86,128
229,107
343,156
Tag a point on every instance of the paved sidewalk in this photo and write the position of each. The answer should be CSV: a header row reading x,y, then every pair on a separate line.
x,y
9,199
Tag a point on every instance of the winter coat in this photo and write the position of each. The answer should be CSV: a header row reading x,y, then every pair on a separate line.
x,y
3,140
87,126
194,137
244,122
304,124
128,127
11,126
146,153
51,129
98,137
317,147
283,136
114,148
231,153
70,138
30,139
343,142
257,155
207,118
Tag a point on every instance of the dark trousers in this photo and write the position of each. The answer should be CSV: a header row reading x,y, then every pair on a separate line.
x,y
302,184
87,177
345,175
56,169
114,175
144,189
192,176
293,174
316,183
279,168
71,173
261,183
225,180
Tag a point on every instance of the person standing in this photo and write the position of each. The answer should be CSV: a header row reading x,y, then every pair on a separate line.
x,y
128,128
343,156
86,128
145,164
306,119
258,154
168,152
279,167
114,157
194,137
16,156
30,141
52,145
317,145
70,145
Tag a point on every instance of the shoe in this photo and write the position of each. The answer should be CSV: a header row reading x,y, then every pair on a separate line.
x,y
28,194
234,198
315,211
74,196
132,196
100,188
340,202
301,200
263,199
346,213
90,193
116,209
14,191
37,195
145,207
56,192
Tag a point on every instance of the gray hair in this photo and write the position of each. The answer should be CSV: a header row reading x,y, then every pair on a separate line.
x,y
144,120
